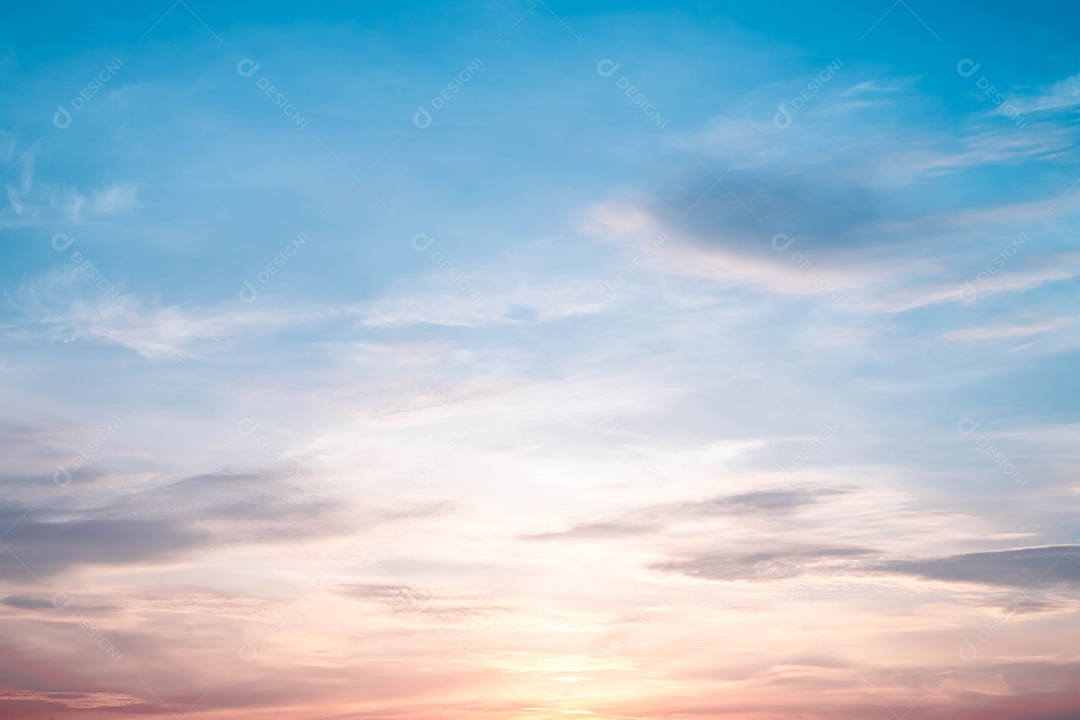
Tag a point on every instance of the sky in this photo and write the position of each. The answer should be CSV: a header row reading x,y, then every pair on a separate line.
x,y
513,360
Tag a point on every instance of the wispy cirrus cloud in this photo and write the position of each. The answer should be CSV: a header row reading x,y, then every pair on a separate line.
x,y
56,306
1005,332
1061,95
769,565
109,200
661,517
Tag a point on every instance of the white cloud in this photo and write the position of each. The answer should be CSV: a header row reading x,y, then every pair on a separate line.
x,y
1057,268
110,200
114,199
1062,94
52,309
155,331
1000,332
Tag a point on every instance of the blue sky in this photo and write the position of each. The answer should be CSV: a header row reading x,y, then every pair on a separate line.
x,y
686,342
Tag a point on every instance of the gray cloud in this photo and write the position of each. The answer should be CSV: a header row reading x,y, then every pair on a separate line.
x,y
26,602
161,521
1024,567
419,603
825,213
44,548
774,565
1053,565
779,500
418,511
374,591
658,517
